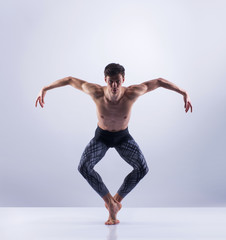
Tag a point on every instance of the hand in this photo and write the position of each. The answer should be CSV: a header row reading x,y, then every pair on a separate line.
x,y
187,102
40,97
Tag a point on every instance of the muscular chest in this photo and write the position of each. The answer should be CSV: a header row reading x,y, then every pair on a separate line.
x,y
120,111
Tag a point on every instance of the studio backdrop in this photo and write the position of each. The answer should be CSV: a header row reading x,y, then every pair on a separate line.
x,y
180,41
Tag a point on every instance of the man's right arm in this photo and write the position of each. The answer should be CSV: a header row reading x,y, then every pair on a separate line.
x,y
89,88
92,89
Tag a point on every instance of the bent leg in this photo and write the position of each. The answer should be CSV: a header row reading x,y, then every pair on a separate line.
x,y
93,153
131,153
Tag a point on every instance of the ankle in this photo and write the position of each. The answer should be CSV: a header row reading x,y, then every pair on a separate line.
x,y
117,197
108,198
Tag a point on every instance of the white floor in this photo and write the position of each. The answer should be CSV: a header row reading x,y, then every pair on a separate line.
x,y
135,223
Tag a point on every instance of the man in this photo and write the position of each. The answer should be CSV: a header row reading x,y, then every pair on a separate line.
x,y
114,103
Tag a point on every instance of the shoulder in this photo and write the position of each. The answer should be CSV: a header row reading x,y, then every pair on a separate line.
x,y
92,89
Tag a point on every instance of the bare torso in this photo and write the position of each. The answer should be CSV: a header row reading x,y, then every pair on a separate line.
x,y
113,116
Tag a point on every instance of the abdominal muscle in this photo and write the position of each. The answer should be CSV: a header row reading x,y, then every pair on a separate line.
x,y
113,124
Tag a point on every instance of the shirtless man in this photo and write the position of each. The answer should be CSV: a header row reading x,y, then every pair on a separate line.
x,y
113,105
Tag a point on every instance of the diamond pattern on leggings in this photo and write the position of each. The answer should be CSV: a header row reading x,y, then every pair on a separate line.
x,y
128,150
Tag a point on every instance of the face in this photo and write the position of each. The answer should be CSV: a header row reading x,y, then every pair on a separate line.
x,y
114,83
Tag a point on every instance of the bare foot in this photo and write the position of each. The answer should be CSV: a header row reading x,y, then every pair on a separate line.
x,y
110,221
113,209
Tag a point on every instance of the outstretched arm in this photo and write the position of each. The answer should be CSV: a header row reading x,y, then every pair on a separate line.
x,y
167,84
137,90
59,83
92,89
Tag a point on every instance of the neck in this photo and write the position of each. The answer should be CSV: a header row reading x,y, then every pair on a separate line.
x,y
114,97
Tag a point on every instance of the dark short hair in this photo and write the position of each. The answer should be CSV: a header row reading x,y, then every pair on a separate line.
x,y
113,69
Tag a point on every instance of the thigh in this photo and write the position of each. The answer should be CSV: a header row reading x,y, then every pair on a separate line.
x,y
93,153
130,151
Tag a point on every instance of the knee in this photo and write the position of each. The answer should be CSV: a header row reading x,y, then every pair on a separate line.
x,y
83,169
143,171
146,170
80,168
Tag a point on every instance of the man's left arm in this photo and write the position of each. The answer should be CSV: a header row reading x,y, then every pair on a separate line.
x,y
169,85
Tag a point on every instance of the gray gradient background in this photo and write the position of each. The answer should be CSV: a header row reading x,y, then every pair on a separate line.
x,y
181,41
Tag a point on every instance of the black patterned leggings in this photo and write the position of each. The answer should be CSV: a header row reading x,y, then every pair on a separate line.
x,y
127,148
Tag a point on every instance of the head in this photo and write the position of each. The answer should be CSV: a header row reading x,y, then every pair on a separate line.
x,y
114,76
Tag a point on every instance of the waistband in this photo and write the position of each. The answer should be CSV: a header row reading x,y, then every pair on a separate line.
x,y
109,133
